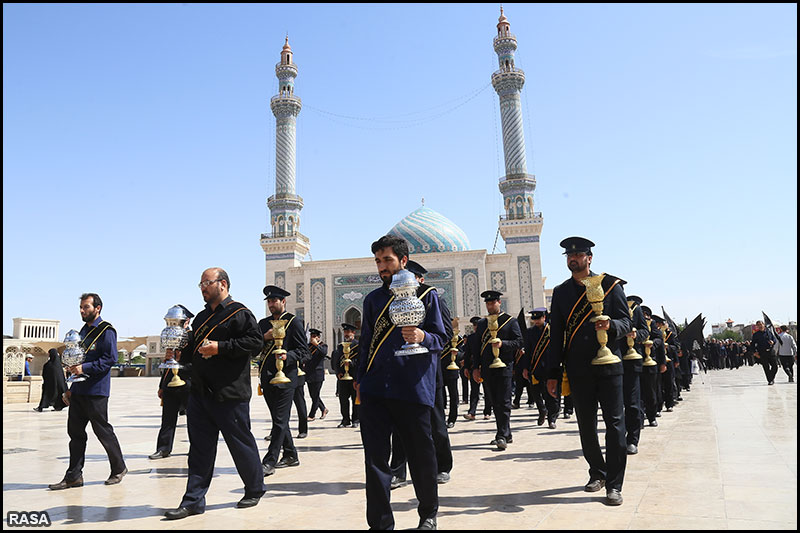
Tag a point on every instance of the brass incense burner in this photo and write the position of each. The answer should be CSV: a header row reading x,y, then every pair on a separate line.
x,y
346,361
631,354
648,345
493,327
453,347
278,334
595,296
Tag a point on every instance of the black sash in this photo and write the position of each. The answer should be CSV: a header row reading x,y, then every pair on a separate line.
x,y
541,347
383,327
88,341
211,323
582,310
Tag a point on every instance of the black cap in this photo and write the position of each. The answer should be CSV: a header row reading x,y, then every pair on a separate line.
x,y
271,291
539,312
488,296
636,299
416,269
189,314
345,325
474,320
574,245
657,319
647,311
313,331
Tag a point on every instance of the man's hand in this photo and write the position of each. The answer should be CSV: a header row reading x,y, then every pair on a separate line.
x,y
412,334
208,349
662,369
268,336
160,391
476,375
497,343
314,341
602,325
76,369
66,396
525,374
466,373
552,384
632,333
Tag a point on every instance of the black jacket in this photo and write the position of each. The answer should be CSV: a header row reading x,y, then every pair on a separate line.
x,y
296,347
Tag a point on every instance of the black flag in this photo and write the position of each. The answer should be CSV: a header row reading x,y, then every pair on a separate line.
x,y
671,323
523,322
771,328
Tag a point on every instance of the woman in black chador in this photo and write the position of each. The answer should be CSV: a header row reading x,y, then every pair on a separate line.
x,y
53,383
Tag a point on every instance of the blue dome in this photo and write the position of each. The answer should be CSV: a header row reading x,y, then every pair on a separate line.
x,y
428,231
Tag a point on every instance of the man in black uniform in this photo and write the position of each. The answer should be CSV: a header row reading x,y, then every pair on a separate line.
x,y
507,342
533,364
631,379
763,343
173,398
575,345
224,338
279,396
649,378
472,348
315,373
344,387
397,391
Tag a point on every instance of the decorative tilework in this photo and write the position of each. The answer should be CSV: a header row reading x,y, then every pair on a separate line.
x,y
280,279
470,292
300,293
525,290
317,303
497,281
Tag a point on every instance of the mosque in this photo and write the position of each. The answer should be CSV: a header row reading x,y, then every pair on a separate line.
x,y
327,293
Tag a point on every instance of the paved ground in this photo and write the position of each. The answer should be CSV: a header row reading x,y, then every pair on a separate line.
x,y
726,458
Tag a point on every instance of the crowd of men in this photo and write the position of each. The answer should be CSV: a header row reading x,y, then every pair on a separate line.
x,y
596,346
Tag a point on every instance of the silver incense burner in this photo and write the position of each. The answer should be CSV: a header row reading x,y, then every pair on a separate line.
x,y
73,355
406,309
175,336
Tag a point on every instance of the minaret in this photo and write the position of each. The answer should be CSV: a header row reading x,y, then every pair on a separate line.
x,y
285,247
520,227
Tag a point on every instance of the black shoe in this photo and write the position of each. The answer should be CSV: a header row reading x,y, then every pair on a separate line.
x,y
450,425
354,424
669,409
771,383
39,409
116,478
594,485
324,414
287,461
540,422
182,412
343,425
501,443
791,379
244,503
160,454
654,423
428,523
65,484
180,512
678,399
442,478
613,497
396,482
515,406
632,449
658,414
469,416
566,416
268,437
268,470
302,435
552,424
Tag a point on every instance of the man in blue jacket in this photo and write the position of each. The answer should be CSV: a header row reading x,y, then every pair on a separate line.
x,y
88,399
397,392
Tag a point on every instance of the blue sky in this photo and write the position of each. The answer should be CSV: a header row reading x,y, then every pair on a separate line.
x,y
138,145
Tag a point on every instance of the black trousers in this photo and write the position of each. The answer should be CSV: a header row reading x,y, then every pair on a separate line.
x,y
300,405
553,404
279,402
650,383
500,389
314,388
451,397
173,402
206,418
474,396
631,394
667,387
587,391
521,384
537,394
770,365
83,409
465,386
487,396
787,362
347,399
412,422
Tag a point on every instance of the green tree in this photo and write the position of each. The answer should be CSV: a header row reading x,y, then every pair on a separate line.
x,y
729,334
